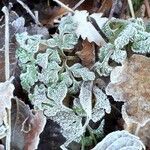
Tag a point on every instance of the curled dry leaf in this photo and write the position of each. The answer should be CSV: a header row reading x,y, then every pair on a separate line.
x,y
26,127
87,54
6,93
130,83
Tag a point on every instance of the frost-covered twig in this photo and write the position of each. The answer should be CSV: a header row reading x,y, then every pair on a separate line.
x,y
131,8
78,4
63,5
29,11
7,71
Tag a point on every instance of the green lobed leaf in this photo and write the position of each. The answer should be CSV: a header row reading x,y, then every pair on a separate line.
x,y
101,106
49,74
86,97
57,92
29,77
82,72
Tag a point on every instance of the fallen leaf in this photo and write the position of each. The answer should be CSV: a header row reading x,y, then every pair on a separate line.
x,y
87,54
6,94
26,126
130,83
118,140
85,28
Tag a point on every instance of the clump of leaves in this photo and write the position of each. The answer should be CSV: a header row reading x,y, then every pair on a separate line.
x,y
63,90
123,36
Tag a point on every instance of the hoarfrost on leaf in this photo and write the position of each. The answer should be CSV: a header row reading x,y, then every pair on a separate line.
x,y
49,74
42,60
29,77
119,140
101,106
57,92
27,42
71,125
85,29
82,72
86,97
6,94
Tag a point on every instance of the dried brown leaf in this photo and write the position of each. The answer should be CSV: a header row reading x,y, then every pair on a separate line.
x,y
26,126
87,54
130,83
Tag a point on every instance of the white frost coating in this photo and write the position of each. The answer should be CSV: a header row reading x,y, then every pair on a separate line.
x,y
100,21
120,140
115,76
85,29
102,104
86,97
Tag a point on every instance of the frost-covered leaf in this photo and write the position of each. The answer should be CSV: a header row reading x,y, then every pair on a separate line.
x,y
53,55
57,92
29,77
19,24
103,69
29,43
23,56
71,125
85,29
119,56
77,108
130,83
101,106
42,60
39,96
49,74
86,97
6,94
67,25
75,87
125,36
69,40
54,42
65,77
119,140
82,72
104,51
142,46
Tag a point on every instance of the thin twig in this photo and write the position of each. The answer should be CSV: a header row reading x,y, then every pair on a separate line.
x,y
131,8
147,7
64,6
7,71
78,4
29,11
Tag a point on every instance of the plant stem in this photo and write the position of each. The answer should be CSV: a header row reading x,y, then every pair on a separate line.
x,y
83,144
92,134
7,72
131,8
63,5
78,4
